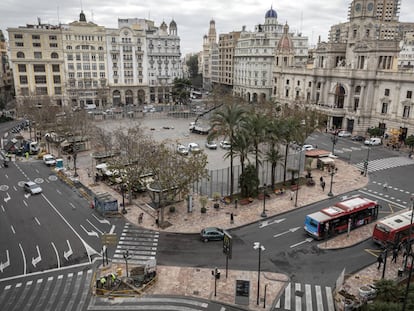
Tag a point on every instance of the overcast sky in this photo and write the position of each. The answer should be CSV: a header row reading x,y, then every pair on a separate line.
x,y
312,18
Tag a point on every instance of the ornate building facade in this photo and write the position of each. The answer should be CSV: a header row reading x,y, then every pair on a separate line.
x,y
82,64
255,54
355,78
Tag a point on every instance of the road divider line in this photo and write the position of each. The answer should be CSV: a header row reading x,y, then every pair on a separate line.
x,y
57,254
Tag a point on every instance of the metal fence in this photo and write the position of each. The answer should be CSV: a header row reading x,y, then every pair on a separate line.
x,y
219,180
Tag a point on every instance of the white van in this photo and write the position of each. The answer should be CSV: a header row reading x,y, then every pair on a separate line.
x,y
374,141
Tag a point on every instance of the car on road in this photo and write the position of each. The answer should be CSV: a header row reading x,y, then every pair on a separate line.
x,y
374,141
344,134
32,188
224,144
211,234
211,145
49,160
358,138
308,147
183,150
194,148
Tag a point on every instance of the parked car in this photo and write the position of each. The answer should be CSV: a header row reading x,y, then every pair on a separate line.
x,y
308,147
358,138
211,234
224,144
211,145
49,160
32,188
344,134
182,150
374,141
194,147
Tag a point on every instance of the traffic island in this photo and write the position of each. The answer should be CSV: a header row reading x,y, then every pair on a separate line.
x,y
111,282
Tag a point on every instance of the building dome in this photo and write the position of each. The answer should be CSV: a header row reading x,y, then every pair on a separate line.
x,y
271,13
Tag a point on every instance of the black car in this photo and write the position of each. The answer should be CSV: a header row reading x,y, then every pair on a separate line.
x,y
211,234
358,138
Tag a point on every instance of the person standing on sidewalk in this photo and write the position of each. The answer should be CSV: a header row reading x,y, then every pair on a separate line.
x,y
323,185
292,194
380,260
394,255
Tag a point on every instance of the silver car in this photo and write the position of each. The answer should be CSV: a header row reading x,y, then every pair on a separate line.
x,y
32,188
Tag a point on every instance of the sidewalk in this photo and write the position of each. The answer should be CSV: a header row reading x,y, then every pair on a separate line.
x,y
200,283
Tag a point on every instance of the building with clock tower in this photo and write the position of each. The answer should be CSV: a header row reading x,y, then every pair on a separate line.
x,y
355,77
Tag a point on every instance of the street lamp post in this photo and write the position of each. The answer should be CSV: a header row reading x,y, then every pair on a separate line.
x,y
330,193
126,256
123,199
366,162
334,140
263,214
261,248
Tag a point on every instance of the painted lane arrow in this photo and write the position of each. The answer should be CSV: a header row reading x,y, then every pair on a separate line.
x,y
102,221
91,233
69,252
283,233
308,240
5,264
38,259
7,198
270,222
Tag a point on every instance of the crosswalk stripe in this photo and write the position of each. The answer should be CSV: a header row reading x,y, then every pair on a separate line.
x,y
308,293
302,298
141,245
382,164
298,299
287,297
329,299
319,301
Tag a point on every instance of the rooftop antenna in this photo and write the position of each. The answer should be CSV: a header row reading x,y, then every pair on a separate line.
x,y
92,15
58,15
81,5
301,21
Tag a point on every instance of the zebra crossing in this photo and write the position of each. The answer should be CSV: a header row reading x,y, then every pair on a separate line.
x,y
141,245
306,297
383,164
65,292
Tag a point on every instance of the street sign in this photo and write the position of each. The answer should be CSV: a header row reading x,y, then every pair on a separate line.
x,y
109,239
227,244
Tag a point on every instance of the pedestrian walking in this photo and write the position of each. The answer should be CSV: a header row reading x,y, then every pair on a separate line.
x,y
380,260
231,218
292,194
140,218
323,185
321,179
394,255
385,186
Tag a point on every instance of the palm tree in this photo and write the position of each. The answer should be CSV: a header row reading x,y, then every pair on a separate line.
x,y
273,154
242,147
288,131
227,122
255,126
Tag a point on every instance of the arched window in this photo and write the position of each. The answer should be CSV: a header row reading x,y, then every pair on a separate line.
x,y
69,47
358,89
54,55
339,96
20,55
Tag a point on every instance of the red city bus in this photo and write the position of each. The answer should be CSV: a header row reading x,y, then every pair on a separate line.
x,y
393,230
350,213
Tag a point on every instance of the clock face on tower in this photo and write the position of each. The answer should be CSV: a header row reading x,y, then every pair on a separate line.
x,y
370,6
358,7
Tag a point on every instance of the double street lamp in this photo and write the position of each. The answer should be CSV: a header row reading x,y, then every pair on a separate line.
x,y
263,214
334,140
260,248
